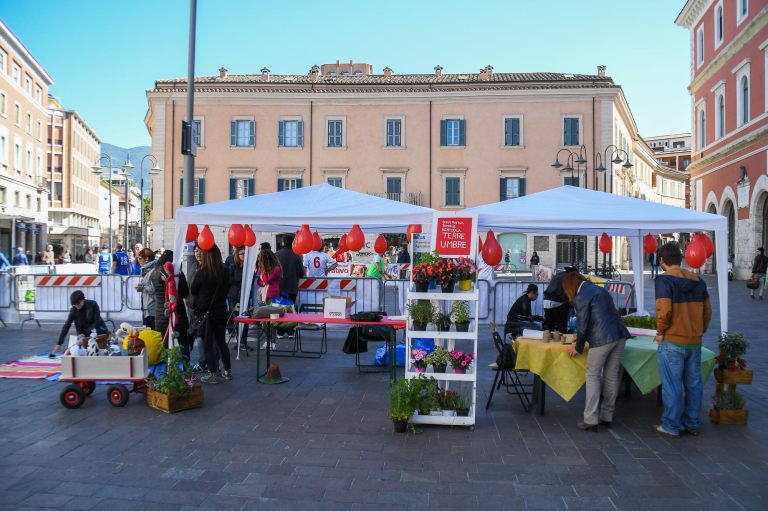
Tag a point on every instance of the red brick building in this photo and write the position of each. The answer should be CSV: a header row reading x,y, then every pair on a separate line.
x,y
729,57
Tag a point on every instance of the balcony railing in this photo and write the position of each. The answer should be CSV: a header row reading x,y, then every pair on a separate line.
x,y
413,198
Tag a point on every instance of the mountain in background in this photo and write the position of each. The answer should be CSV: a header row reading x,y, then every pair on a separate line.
x,y
119,154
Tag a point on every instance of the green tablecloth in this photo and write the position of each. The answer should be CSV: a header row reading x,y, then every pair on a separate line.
x,y
641,363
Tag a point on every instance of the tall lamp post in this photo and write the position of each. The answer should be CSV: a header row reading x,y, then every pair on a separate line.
x,y
98,168
617,157
579,160
127,168
154,170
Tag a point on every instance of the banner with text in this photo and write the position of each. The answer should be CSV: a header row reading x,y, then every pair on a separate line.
x,y
454,234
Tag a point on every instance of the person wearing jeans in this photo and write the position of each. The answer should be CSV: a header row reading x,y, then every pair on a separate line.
x,y
601,325
759,268
683,313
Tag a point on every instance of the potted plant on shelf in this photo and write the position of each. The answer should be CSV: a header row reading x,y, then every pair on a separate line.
x,y
460,314
421,275
419,360
640,325
465,272
174,390
462,406
728,408
428,403
421,312
448,402
442,321
445,274
461,361
402,403
731,368
439,358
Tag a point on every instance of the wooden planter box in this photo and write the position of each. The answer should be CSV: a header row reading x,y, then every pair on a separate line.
x,y
741,377
170,403
728,416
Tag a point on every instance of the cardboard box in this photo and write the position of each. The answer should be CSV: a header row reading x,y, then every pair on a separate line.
x,y
337,307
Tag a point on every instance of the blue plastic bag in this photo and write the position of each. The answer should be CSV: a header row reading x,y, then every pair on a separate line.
x,y
423,343
381,358
283,300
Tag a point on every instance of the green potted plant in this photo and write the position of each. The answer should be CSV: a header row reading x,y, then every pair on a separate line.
x,y
442,321
731,368
421,313
465,272
641,325
428,402
448,402
402,403
460,314
462,406
439,358
419,360
174,390
728,408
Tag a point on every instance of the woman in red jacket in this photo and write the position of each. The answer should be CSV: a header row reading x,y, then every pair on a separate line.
x,y
269,275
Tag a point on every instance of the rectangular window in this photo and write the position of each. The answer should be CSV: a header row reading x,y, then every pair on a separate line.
x,y
453,191
394,133
511,188
741,10
197,132
571,131
28,85
512,131
243,133
453,132
3,62
29,123
3,104
39,95
3,150
39,166
17,115
17,199
719,24
571,181
453,129
335,133
291,183
17,157
700,46
199,191
29,162
395,188
335,181
17,74
290,133
39,130
240,188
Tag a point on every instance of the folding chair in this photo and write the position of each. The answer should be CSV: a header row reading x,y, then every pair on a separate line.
x,y
233,330
507,375
312,327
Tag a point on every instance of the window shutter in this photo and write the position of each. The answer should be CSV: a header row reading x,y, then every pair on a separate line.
x,y
300,130
507,133
503,189
521,187
281,134
201,191
233,133
232,188
462,132
443,133
575,130
252,133
515,132
181,191
299,183
567,132
251,187
279,185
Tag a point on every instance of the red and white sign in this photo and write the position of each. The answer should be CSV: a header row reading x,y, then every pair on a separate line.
x,y
454,235
341,270
310,284
68,281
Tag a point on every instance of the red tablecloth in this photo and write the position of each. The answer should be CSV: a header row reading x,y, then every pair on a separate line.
x,y
397,324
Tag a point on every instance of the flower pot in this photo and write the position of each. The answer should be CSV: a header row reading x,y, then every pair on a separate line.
x,y
448,287
449,413
173,402
460,371
419,369
462,412
436,413
418,326
729,377
422,287
728,416
465,285
439,368
400,426
462,327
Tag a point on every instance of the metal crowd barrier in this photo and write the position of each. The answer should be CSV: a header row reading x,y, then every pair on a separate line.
x,y
396,294
367,293
132,297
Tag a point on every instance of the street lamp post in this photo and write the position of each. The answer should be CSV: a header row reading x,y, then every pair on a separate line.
x,y
578,159
154,170
615,159
127,168
97,168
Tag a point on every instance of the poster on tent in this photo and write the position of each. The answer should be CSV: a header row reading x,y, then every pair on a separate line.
x,y
454,234
420,246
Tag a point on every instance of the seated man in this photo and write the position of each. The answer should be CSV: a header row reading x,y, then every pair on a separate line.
x,y
520,315
86,316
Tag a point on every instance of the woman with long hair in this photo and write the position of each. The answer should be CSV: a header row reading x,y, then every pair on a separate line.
x,y
210,287
157,278
235,287
600,324
147,262
270,272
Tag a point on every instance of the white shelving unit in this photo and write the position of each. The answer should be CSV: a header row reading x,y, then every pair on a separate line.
x,y
449,341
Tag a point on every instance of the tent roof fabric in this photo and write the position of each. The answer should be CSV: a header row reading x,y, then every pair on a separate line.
x,y
572,210
324,207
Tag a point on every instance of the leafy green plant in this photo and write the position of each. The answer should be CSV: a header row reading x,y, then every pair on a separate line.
x,y
439,356
177,376
421,311
403,397
460,312
729,400
428,258
648,322
462,405
732,346
442,321
428,392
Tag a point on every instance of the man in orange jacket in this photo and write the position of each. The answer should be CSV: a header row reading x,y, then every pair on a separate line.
x,y
683,313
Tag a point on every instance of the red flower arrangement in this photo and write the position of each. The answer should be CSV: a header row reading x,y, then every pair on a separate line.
x,y
465,268
461,360
423,272
445,271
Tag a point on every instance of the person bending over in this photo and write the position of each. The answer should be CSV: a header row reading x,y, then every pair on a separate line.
x,y
85,315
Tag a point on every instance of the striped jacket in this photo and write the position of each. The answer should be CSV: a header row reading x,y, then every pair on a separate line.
x,y
683,310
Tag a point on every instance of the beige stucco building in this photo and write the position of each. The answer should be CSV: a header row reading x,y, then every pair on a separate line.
x,y
441,140
23,118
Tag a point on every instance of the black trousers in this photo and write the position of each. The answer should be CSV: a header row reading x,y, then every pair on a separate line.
x,y
556,318
149,322
215,334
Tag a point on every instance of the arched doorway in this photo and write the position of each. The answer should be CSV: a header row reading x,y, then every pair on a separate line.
x,y
764,220
729,212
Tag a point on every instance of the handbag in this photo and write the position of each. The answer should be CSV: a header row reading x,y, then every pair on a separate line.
x,y
354,343
197,325
753,283
367,317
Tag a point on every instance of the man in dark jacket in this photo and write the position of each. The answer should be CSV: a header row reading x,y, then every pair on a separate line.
x,y
759,267
85,315
556,307
293,269
520,315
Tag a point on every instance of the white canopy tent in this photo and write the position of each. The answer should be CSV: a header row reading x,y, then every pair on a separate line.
x,y
324,207
571,210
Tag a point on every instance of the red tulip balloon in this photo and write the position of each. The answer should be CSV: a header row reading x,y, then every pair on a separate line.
x,y
695,254
479,245
381,245
236,235
709,248
343,243
205,239
355,238
191,233
293,245
606,243
412,228
649,244
317,242
491,250
250,236
304,240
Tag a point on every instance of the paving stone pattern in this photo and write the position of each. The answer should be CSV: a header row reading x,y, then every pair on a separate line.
x,y
323,442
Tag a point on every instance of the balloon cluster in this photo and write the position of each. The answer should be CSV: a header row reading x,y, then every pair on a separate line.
x,y
699,249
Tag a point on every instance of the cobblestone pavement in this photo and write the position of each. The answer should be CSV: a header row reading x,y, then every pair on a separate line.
x,y
323,442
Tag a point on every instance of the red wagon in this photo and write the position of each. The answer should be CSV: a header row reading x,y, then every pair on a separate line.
x,y
84,372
